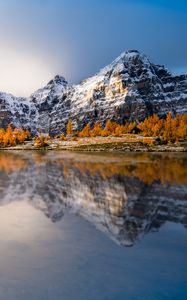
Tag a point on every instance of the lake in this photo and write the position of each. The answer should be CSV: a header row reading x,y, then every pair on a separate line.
x,y
93,226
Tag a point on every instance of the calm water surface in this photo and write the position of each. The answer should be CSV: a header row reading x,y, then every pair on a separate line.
x,y
93,226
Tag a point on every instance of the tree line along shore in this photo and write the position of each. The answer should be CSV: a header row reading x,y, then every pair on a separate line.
x,y
150,132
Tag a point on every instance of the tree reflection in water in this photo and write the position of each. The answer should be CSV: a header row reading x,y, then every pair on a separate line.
x,y
124,195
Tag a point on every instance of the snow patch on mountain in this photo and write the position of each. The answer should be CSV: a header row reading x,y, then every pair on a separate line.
x,y
128,89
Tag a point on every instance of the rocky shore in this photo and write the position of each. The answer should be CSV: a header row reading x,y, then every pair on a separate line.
x,y
129,143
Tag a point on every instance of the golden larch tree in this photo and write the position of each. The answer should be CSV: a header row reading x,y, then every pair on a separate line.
x,y
69,127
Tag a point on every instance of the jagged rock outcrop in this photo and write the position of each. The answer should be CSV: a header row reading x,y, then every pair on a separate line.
x,y
123,207
32,113
130,88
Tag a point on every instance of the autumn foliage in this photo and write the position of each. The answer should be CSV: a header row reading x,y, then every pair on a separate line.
x,y
63,137
170,130
69,127
41,141
13,137
111,128
86,131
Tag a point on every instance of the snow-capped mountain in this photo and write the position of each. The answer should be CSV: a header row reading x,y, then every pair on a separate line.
x,y
32,113
130,88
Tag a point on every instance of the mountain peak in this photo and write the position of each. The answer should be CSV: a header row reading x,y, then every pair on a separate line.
x,y
126,60
53,89
129,89
58,79
131,56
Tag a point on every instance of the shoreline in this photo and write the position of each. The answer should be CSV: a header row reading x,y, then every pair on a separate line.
x,y
128,143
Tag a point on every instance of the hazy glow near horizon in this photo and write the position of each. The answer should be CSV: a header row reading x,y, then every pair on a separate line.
x,y
20,74
42,38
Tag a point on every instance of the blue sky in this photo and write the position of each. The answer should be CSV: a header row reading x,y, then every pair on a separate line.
x,y
75,38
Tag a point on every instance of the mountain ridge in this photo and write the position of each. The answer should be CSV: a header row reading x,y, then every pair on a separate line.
x,y
128,89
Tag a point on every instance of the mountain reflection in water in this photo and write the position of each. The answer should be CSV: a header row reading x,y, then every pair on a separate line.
x,y
125,195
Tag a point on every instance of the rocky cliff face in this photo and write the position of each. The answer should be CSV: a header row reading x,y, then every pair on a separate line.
x,y
128,89
123,207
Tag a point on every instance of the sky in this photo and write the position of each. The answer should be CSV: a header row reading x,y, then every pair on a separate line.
x,y
76,38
